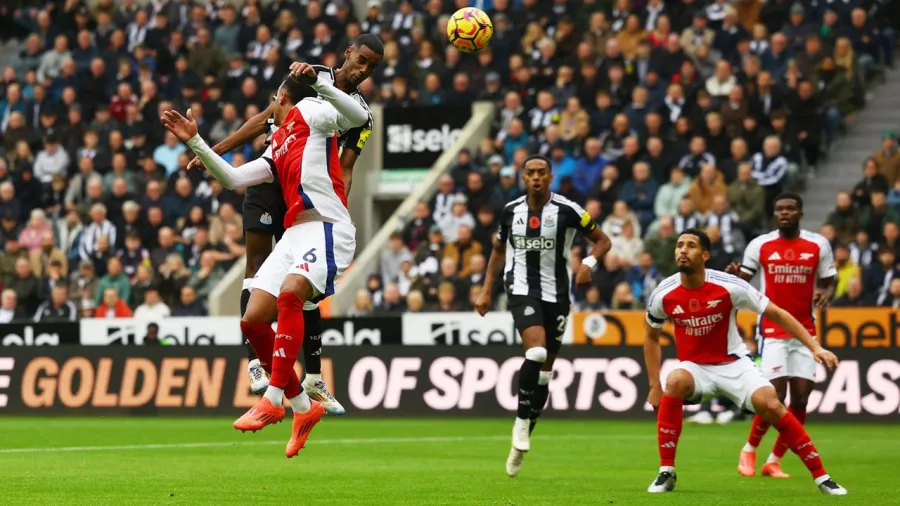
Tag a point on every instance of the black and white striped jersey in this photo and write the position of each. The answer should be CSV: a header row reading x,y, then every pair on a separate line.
x,y
538,245
355,138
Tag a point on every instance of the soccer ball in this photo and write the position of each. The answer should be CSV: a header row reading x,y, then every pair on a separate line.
x,y
470,29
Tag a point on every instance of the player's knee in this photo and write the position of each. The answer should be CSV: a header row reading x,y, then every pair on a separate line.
x,y
767,404
799,402
297,285
536,354
679,384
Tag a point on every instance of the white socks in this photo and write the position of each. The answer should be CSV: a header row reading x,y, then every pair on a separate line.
x,y
749,448
667,469
772,459
312,378
275,395
300,404
822,479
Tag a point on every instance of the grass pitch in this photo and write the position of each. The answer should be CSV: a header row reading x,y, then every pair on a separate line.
x,y
162,461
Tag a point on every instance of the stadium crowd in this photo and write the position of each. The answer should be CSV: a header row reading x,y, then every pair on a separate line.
x,y
658,115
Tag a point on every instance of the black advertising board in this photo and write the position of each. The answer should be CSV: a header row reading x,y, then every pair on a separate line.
x,y
401,381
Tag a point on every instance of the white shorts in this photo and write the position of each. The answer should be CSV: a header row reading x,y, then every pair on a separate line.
x,y
786,358
736,380
318,251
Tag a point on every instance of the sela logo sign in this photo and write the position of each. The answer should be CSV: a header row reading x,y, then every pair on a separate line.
x,y
406,139
458,329
188,331
29,337
414,137
533,243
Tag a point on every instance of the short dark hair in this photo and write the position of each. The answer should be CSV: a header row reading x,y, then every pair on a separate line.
x,y
296,91
541,158
792,196
370,41
701,236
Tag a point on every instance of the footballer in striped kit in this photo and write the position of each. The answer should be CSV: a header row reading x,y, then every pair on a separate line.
x,y
535,237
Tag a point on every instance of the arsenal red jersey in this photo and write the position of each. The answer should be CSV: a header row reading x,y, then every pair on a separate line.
x,y
788,270
304,156
705,318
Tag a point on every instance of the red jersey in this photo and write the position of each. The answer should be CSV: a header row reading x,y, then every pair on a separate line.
x,y
788,271
304,156
705,318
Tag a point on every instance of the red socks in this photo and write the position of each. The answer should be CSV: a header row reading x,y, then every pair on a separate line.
x,y
757,430
797,439
781,446
288,341
669,421
262,339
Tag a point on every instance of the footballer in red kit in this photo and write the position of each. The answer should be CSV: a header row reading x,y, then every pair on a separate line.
x,y
796,271
713,361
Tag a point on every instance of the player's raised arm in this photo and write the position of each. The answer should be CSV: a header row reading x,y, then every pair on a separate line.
x,y
253,128
351,114
253,173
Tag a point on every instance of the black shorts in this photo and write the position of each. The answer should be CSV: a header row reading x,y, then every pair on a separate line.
x,y
531,312
264,209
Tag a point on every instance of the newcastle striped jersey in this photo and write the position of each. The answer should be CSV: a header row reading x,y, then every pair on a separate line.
x,y
355,138
538,244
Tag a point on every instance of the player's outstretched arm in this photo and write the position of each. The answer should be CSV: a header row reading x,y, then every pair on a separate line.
x,y
495,265
351,113
794,328
253,128
652,361
185,128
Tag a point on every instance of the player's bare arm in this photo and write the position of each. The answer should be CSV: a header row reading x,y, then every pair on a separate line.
x,y
652,360
253,128
824,293
796,329
495,266
734,268
185,128
348,160
601,246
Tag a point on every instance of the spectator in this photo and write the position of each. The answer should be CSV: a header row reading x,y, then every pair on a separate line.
x,y
854,295
51,160
99,227
459,216
747,199
661,245
47,253
112,306
671,193
463,250
31,237
728,224
415,302
166,155
836,94
874,217
873,181
720,85
442,202
863,251
362,304
446,298
133,255
589,168
845,219
770,169
52,62
892,298
643,277
613,224
888,157
174,275
846,269
698,157
704,189
392,302
626,245
26,286
166,248
84,282
623,298
878,275
507,189
58,309
592,300
10,310
391,258
205,279
115,279
153,307
640,194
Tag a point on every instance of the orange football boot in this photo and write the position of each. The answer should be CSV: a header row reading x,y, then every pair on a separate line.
x,y
261,414
302,426
747,464
773,470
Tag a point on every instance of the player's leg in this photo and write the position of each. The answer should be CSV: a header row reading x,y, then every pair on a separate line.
x,y
774,353
685,382
313,384
258,248
801,367
764,400
555,318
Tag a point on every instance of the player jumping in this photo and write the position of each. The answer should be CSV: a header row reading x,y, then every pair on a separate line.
x,y
789,260
538,228
264,208
703,304
318,243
